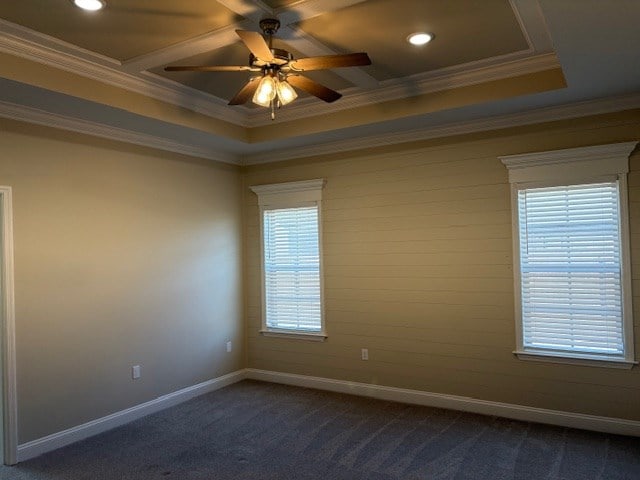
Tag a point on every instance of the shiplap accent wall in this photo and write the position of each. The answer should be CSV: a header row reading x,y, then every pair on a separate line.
x,y
418,269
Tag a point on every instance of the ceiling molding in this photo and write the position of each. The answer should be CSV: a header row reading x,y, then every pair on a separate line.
x,y
44,49
16,40
308,9
548,114
497,68
23,113
253,10
27,38
40,117
183,96
533,24
188,48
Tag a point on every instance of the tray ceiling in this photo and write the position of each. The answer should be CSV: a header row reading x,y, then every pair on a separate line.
x,y
144,36
460,37
484,54
126,29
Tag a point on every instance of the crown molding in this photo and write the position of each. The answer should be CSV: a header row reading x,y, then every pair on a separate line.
x,y
195,100
473,73
533,24
23,113
25,43
539,56
187,48
307,9
541,115
15,37
549,114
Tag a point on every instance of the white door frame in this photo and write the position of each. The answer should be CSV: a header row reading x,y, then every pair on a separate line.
x,y
8,334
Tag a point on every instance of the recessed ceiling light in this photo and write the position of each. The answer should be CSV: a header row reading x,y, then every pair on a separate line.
x,y
420,38
91,5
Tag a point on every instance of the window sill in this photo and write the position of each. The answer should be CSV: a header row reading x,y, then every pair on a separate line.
x,y
585,360
295,335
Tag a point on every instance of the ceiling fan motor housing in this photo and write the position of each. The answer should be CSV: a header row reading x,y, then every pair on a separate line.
x,y
269,25
280,57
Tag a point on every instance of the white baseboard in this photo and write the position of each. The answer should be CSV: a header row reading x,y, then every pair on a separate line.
x,y
519,412
60,439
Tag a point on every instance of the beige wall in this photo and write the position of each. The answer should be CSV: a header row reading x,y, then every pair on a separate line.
x,y
418,269
123,256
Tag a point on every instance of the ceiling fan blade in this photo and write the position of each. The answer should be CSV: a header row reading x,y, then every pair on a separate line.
x,y
331,61
196,68
314,88
256,44
245,93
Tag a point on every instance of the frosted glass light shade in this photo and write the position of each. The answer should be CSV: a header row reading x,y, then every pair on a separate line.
x,y
286,92
265,92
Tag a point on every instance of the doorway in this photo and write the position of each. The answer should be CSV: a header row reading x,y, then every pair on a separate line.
x,y
8,398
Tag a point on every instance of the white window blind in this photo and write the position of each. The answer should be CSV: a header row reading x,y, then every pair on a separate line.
x,y
570,266
292,269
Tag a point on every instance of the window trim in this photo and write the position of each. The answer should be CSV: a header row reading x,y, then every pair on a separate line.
x,y
291,195
554,168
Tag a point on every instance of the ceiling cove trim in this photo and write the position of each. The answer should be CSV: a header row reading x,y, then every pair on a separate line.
x,y
538,57
542,115
25,43
187,48
473,73
23,113
29,37
549,114
533,24
307,9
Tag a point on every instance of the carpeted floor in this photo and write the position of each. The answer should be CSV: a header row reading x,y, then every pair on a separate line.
x,y
254,430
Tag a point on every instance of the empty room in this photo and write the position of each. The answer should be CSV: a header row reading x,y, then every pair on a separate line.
x,y
304,239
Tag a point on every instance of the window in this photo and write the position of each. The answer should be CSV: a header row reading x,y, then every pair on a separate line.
x,y
571,251
291,259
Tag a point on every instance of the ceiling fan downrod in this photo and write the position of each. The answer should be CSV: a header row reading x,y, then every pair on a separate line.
x,y
269,27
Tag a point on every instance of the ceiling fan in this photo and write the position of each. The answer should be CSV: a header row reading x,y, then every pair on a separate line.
x,y
278,72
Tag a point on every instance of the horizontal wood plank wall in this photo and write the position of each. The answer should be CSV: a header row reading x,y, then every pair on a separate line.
x,y
418,269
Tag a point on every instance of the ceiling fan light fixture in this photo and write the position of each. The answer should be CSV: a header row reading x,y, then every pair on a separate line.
x,y
278,72
265,92
420,38
90,5
286,93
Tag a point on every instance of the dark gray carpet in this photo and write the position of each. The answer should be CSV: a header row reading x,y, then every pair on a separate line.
x,y
255,430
